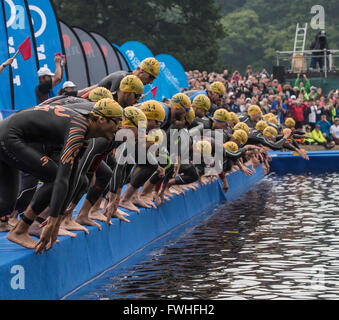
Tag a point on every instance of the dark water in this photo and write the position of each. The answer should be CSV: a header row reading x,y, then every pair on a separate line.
x,y
280,240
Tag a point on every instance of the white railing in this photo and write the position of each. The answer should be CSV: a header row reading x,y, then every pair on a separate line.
x,y
329,58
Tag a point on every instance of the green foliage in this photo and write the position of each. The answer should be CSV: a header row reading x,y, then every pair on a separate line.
x,y
204,34
190,30
256,29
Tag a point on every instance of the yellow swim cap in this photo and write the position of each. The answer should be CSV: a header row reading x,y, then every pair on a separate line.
x,y
273,120
270,132
204,147
131,83
155,136
253,110
107,108
217,87
231,146
202,102
241,136
100,93
221,115
234,118
153,110
190,115
133,117
151,66
289,122
261,125
180,100
243,126
267,116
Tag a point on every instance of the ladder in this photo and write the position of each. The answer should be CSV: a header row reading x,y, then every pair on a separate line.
x,y
299,47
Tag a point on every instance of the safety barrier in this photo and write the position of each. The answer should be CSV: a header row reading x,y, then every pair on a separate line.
x,y
73,261
320,161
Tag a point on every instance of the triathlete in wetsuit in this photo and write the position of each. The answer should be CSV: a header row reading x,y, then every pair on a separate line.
x,y
53,125
147,72
201,105
254,115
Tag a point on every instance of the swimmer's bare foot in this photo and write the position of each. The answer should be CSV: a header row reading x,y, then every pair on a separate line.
x,y
169,194
179,189
65,233
70,225
174,191
35,229
97,215
150,203
129,206
141,203
96,208
19,235
194,186
84,220
120,215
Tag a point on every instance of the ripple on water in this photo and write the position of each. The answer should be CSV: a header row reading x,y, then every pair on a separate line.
x,y
279,241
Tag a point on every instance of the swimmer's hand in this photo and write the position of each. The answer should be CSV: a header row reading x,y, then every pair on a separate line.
x,y
247,171
49,235
303,154
225,186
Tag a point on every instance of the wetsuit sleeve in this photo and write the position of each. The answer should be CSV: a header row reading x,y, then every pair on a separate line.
x,y
234,155
290,147
260,139
73,143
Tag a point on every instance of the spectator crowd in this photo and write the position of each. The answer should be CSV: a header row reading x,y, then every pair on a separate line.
x,y
314,112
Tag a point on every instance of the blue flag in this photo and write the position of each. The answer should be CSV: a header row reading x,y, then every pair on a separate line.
x,y
47,35
24,72
5,77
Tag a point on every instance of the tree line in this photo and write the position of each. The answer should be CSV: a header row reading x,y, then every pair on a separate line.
x,y
203,34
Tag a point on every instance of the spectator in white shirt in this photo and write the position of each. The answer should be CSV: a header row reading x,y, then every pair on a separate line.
x,y
334,130
312,115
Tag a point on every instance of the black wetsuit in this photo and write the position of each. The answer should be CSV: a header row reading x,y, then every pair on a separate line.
x,y
45,125
256,137
206,121
64,100
246,119
112,81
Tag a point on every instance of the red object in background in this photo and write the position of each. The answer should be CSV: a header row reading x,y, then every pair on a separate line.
x,y
26,49
67,40
87,47
154,92
104,50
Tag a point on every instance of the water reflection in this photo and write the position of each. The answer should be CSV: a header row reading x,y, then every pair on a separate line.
x,y
278,241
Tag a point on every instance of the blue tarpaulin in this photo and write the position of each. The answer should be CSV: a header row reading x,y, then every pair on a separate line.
x,y
73,261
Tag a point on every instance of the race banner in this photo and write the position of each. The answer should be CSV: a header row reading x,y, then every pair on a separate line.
x,y
135,52
47,35
95,58
24,73
173,71
6,76
124,62
76,63
112,58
